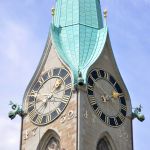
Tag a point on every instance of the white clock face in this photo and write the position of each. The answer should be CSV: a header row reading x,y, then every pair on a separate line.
x,y
106,98
49,96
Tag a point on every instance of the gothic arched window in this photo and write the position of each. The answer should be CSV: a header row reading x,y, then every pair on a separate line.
x,y
53,144
49,141
103,144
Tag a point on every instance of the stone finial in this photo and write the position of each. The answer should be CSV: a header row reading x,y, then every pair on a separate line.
x,y
105,13
105,16
53,11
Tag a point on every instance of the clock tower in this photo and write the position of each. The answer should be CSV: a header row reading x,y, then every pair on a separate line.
x,y
77,99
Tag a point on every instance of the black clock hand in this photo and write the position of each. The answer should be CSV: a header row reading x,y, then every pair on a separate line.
x,y
41,107
104,97
56,92
57,97
55,100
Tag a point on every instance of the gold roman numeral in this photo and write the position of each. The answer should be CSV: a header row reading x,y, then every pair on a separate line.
x,y
58,110
68,86
33,93
41,81
67,75
49,74
124,107
39,119
98,112
65,99
92,100
107,120
31,103
90,87
121,117
32,114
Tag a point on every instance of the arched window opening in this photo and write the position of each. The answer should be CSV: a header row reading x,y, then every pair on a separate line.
x,y
53,144
49,141
103,144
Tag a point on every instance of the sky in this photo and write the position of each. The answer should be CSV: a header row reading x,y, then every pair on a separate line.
x,y
24,27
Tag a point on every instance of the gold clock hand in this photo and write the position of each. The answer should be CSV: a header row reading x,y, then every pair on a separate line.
x,y
57,84
115,95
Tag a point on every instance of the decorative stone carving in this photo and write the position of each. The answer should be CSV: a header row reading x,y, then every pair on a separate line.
x,y
28,134
85,115
62,119
68,116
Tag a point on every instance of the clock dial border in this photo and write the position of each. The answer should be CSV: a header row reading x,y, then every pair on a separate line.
x,y
44,119
112,121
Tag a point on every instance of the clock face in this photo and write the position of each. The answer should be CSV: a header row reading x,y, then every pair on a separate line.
x,y
106,97
49,96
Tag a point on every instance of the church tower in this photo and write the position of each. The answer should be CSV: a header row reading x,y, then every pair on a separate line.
x,y
77,99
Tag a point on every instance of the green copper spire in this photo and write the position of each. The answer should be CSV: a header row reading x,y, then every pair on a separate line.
x,y
73,12
78,33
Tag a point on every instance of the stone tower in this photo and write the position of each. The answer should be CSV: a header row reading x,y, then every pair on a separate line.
x,y
77,99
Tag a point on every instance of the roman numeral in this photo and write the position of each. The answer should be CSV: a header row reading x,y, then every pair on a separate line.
x,y
33,93
48,118
116,121
106,76
31,103
98,112
90,87
67,75
65,99
92,78
121,117
58,110
49,74
107,120
68,86
39,119
123,107
92,100
32,114
41,81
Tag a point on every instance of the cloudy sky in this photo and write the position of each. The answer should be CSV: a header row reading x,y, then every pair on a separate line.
x,y
24,27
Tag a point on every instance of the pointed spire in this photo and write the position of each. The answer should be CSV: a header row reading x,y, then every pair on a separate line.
x,y
74,12
79,34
